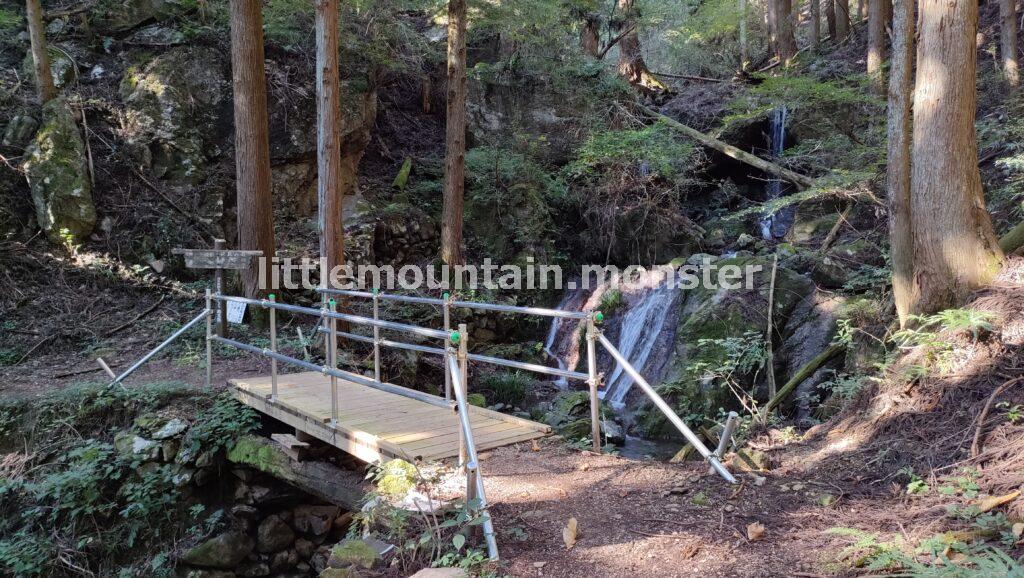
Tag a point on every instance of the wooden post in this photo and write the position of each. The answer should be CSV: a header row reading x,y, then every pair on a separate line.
x,y
218,287
595,402
463,385
328,135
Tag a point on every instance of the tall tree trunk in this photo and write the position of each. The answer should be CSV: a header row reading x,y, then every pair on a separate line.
x,y
590,35
815,25
1008,40
830,18
40,57
455,137
744,55
770,8
785,42
876,45
842,19
631,60
862,9
252,140
328,133
955,248
901,86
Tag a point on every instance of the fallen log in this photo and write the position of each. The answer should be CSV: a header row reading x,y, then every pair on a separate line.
x,y
802,374
757,162
1013,240
326,481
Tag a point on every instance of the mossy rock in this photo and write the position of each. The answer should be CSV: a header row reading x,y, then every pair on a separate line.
x,y
62,68
58,177
353,553
396,478
224,551
111,16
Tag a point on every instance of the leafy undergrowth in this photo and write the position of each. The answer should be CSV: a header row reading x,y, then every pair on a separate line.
x,y
76,499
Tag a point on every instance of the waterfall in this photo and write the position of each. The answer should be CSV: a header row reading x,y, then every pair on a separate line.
x,y
561,340
642,326
776,225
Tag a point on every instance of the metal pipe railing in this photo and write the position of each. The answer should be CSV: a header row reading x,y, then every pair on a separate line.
x,y
667,410
354,378
474,481
542,311
195,320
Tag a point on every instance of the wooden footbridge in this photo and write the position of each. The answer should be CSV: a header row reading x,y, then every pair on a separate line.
x,y
375,420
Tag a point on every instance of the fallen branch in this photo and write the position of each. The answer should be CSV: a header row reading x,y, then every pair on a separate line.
x,y
136,318
834,231
689,77
709,141
35,347
976,444
204,222
613,42
802,374
70,11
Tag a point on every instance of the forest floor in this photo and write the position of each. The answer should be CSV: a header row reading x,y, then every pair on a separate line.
x,y
652,518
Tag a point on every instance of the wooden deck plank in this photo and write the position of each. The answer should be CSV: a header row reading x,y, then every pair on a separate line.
x,y
374,424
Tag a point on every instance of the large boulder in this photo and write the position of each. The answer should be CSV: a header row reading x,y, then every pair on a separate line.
x,y
112,16
177,110
57,171
224,551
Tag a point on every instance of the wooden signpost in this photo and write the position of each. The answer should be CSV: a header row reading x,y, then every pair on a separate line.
x,y
219,259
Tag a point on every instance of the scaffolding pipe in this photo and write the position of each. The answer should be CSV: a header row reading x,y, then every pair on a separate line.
x,y
472,465
160,347
667,410
542,311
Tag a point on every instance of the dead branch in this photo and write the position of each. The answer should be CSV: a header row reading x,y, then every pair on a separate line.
x,y
977,443
125,325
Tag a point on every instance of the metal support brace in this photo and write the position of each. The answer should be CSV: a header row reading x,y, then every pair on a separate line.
x,y
730,426
332,360
463,384
595,402
376,336
209,341
446,309
273,348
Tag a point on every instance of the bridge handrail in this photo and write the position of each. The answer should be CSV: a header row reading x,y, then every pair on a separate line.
x,y
474,479
541,311
711,457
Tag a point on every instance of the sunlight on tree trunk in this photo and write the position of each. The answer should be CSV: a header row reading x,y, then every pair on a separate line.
x,y
252,141
955,248
744,56
455,137
40,57
1008,40
632,66
901,84
328,134
785,42
876,45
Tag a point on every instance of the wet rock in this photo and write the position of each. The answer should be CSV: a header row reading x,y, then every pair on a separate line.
x,y
58,177
809,330
315,520
274,535
227,550
172,428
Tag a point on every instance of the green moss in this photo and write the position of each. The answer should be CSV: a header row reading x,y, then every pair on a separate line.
x,y
396,477
261,455
354,553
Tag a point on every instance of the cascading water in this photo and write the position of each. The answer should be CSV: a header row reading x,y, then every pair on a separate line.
x,y
639,333
776,225
555,346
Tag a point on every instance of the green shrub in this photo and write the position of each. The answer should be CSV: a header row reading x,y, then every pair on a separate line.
x,y
654,146
506,387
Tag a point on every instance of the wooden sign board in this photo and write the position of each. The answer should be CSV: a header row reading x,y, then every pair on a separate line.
x,y
217,258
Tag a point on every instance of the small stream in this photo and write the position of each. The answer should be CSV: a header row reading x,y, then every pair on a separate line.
x,y
777,224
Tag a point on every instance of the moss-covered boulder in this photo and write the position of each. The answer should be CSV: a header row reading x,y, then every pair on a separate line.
x,y
110,16
177,111
354,553
62,67
224,551
57,171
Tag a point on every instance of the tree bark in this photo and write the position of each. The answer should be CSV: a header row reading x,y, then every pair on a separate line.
x,y
328,133
40,57
955,248
815,25
252,140
744,55
842,19
757,162
1008,40
632,66
589,35
785,42
876,45
455,137
901,83
830,18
